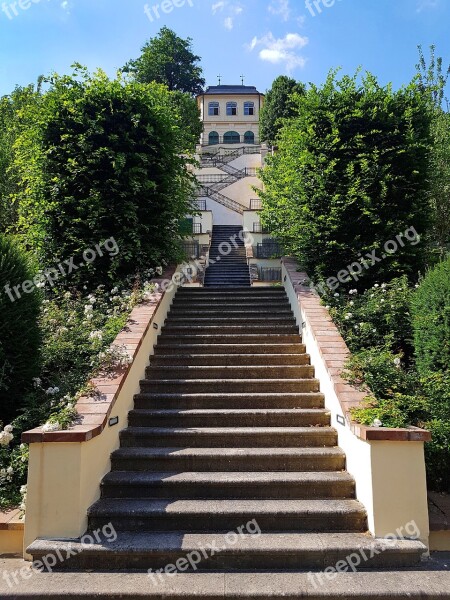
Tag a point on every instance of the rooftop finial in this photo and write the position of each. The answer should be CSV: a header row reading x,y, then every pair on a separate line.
x,y
219,77
242,79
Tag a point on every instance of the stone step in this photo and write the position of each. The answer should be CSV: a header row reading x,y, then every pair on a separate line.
x,y
229,338
229,385
229,437
228,459
217,401
209,485
262,292
227,515
155,372
193,312
243,319
228,349
276,417
229,359
233,304
250,328
415,581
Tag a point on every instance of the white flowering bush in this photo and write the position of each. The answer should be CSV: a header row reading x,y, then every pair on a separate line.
x,y
78,330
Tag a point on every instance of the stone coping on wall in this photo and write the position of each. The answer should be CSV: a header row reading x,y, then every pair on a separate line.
x,y
10,520
335,353
95,410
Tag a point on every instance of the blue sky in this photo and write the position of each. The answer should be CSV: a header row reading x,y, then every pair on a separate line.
x,y
259,39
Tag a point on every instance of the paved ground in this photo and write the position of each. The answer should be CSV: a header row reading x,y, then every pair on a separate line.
x,y
431,582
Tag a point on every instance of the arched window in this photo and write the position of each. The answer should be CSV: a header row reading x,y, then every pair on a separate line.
x,y
249,108
231,137
213,138
214,109
249,137
231,109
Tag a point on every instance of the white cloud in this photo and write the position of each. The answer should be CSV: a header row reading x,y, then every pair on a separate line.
x,y
281,50
426,5
218,6
281,9
231,9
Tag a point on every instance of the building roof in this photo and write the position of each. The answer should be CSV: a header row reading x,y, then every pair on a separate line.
x,y
216,90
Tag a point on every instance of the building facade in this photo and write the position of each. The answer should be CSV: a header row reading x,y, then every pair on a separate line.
x,y
230,114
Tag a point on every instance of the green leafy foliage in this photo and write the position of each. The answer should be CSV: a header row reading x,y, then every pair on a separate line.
x,y
169,60
20,335
278,106
12,122
431,320
77,330
350,175
103,159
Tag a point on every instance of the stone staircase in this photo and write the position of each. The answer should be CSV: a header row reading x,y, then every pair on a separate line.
x,y
230,428
228,265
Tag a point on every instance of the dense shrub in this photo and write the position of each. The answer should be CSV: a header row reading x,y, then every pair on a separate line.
x,y
349,176
19,329
431,320
104,159
376,317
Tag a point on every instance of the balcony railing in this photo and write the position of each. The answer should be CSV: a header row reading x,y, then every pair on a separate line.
x,y
196,228
255,204
205,179
199,204
259,228
269,249
191,249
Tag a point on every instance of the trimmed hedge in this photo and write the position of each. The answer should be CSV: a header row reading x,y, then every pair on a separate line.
x,y
430,309
19,330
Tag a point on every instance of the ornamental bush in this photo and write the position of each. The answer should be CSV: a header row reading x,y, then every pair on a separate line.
x,y
103,159
430,307
19,329
351,174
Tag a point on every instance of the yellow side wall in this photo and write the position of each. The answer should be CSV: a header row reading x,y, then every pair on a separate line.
x,y
64,478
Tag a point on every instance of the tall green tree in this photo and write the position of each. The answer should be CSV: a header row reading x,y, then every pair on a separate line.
x,y
279,105
433,79
103,158
12,122
168,59
350,175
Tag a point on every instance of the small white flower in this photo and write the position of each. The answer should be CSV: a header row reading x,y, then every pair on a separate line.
x,y
352,303
377,423
37,382
328,307
67,295
348,316
96,335
374,330
376,285
372,295
8,428
397,362
48,427
159,270
52,391
9,470
383,286
336,295
353,292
